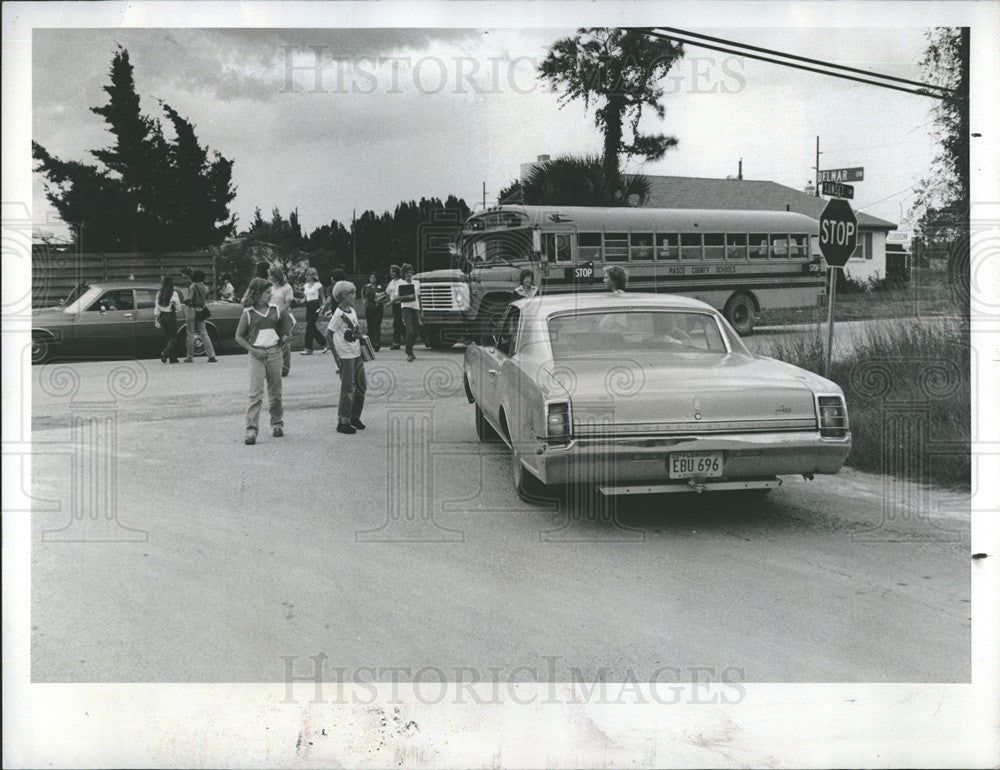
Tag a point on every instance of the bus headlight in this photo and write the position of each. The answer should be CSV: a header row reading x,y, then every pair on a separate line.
x,y
460,296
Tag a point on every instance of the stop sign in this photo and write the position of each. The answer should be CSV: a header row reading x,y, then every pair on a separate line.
x,y
838,232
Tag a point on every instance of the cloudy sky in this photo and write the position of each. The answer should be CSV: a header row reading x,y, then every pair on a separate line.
x,y
394,114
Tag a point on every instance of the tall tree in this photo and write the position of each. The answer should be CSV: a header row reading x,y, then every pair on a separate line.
x,y
943,198
620,71
148,193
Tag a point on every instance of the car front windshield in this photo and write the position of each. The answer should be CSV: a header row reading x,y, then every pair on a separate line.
x,y
636,332
512,246
79,298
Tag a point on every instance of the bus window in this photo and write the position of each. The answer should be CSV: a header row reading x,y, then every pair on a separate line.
x,y
588,246
779,246
556,247
666,246
642,246
758,246
715,245
798,247
690,245
616,247
736,246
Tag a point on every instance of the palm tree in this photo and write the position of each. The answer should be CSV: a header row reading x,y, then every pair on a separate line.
x,y
581,181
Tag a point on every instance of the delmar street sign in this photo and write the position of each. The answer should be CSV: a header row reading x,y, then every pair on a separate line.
x,y
842,175
838,232
837,190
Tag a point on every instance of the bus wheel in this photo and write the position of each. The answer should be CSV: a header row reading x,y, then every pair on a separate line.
x,y
740,312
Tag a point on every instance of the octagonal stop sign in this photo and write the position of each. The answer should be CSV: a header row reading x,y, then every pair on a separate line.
x,y
838,232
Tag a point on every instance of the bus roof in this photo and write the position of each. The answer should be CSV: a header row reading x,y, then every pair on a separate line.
x,y
583,218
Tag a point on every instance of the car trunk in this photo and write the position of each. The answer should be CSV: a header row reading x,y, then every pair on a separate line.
x,y
687,393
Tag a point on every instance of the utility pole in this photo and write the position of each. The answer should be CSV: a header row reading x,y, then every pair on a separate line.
x,y
354,241
739,175
818,153
484,195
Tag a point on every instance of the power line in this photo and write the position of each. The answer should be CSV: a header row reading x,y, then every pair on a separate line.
x,y
738,52
808,60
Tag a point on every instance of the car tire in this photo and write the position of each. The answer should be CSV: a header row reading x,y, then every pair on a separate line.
x,y
484,430
527,485
741,312
199,346
41,349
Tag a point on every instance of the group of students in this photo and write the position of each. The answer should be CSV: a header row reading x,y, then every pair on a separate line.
x,y
169,306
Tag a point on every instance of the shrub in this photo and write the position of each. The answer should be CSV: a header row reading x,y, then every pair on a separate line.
x,y
908,395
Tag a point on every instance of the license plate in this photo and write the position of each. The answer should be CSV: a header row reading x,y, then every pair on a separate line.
x,y
688,465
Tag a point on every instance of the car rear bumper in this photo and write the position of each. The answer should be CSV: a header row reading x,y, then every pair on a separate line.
x,y
643,460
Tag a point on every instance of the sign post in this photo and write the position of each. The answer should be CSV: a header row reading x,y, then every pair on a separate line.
x,y
838,238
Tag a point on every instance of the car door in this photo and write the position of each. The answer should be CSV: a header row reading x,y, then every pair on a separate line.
x,y
147,336
494,358
106,327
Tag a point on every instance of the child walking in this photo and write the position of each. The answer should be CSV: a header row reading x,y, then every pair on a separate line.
x,y
346,333
262,330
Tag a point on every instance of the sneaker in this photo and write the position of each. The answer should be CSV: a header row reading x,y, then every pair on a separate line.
x,y
394,347
251,438
410,357
277,432
307,352
345,428
174,361
213,360
188,360
163,359
358,425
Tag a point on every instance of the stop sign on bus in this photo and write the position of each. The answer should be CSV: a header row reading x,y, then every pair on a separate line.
x,y
838,232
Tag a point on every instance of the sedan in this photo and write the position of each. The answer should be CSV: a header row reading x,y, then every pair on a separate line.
x,y
114,319
646,393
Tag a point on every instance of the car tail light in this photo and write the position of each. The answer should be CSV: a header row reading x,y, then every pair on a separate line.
x,y
832,417
557,426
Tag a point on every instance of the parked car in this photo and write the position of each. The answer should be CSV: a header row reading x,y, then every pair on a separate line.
x,y
646,393
114,319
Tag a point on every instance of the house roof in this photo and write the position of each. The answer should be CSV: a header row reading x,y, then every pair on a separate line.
x,y
682,192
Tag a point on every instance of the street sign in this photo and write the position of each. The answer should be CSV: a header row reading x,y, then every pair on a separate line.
x,y
843,175
837,190
838,232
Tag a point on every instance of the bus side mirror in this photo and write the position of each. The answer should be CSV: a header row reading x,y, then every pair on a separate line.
x,y
536,244
466,267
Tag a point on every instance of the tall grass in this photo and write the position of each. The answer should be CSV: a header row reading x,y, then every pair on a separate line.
x,y
908,395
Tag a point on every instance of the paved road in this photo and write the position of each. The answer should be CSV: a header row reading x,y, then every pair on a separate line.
x,y
229,557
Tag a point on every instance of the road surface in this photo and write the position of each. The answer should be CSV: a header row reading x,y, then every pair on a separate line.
x,y
406,546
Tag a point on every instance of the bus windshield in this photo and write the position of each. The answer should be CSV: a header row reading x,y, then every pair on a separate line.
x,y
510,246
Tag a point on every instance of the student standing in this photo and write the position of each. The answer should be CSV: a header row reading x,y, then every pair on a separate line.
x,y
311,290
228,292
392,295
374,296
196,315
262,330
282,295
168,305
526,287
410,309
346,335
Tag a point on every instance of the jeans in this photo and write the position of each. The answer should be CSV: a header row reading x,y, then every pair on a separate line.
x,y
411,320
397,324
202,331
286,356
353,385
168,325
373,321
333,348
269,371
312,333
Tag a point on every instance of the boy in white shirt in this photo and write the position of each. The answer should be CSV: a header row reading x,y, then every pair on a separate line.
x,y
346,335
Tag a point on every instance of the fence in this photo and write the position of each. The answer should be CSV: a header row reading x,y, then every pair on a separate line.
x,y
55,273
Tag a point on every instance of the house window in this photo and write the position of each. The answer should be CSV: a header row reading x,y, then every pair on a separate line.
x,y
589,246
641,246
666,246
616,247
690,245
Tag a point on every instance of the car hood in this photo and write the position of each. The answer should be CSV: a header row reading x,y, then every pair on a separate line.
x,y
48,315
690,392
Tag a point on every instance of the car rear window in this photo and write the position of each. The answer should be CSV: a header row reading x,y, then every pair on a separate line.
x,y
625,332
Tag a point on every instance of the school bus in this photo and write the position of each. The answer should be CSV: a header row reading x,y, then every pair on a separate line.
x,y
740,262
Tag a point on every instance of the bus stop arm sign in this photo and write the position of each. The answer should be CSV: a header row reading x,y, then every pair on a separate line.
x,y
838,232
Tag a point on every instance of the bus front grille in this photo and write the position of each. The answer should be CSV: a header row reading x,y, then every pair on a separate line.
x,y
436,296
